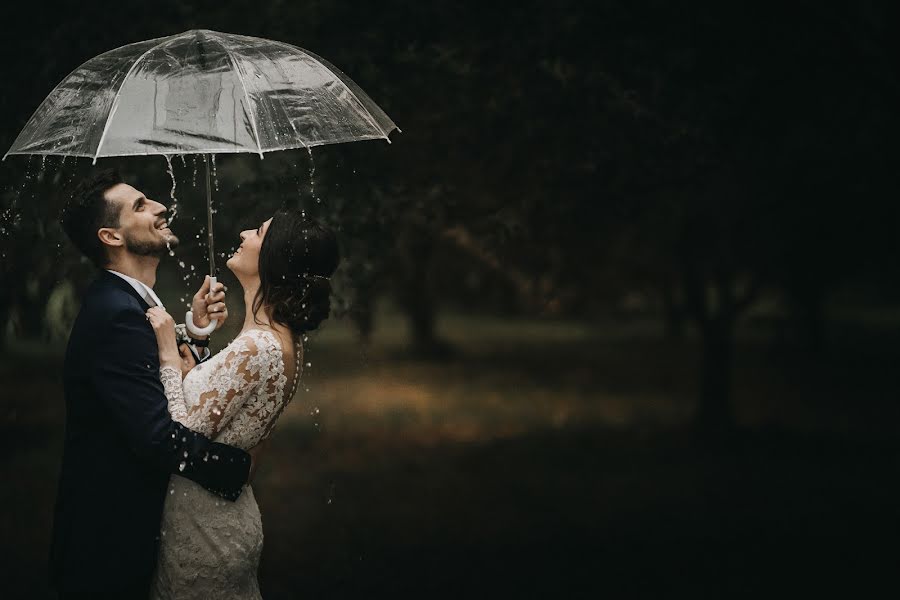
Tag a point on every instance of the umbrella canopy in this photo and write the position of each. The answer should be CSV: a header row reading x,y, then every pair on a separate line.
x,y
201,92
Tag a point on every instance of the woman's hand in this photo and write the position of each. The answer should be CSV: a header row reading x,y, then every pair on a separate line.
x,y
164,327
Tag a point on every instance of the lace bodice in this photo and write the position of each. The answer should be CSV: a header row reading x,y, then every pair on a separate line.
x,y
236,396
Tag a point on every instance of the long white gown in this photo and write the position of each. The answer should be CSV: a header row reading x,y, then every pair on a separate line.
x,y
209,547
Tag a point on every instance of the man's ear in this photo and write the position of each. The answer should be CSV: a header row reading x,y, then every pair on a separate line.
x,y
110,237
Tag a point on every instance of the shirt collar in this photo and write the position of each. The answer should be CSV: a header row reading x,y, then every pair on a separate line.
x,y
141,288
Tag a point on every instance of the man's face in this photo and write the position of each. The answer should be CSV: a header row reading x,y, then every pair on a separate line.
x,y
142,222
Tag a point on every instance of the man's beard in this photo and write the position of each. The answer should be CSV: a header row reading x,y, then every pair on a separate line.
x,y
150,248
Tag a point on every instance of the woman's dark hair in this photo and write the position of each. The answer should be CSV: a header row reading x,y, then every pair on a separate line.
x,y
88,210
296,260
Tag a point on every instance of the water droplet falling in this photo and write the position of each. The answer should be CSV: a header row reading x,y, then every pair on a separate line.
x,y
214,175
27,173
312,176
173,208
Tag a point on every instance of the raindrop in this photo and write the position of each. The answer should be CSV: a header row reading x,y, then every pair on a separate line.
x,y
173,209
214,175
312,175
181,466
27,173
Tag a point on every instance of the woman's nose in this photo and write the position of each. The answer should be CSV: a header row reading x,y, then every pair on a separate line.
x,y
243,235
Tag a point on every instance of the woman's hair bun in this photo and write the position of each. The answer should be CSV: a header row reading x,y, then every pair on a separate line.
x,y
296,261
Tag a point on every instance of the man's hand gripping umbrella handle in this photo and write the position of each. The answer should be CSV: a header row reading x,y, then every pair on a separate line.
x,y
189,318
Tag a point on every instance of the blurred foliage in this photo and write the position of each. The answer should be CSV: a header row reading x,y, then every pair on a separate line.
x,y
560,158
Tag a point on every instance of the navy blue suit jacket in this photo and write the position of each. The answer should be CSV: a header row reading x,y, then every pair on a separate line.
x,y
120,447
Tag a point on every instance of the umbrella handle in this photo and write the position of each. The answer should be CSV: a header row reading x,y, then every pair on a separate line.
x,y
189,318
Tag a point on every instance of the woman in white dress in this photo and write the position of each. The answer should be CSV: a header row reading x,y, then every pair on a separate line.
x,y
210,548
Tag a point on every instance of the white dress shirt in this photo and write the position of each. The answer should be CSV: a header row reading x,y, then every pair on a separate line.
x,y
146,292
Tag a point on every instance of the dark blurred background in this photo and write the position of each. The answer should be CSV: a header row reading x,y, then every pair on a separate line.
x,y
618,311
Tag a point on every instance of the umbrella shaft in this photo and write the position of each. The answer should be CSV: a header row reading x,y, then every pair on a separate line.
x,y
209,222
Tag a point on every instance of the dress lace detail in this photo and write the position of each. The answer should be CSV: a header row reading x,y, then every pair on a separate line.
x,y
210,548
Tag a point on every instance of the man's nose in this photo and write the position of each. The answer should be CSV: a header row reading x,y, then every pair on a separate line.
x,y
159,209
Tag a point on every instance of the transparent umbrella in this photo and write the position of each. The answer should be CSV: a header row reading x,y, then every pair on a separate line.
x,y
201,92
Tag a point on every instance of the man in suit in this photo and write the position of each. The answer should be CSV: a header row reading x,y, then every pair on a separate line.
x,y
121,445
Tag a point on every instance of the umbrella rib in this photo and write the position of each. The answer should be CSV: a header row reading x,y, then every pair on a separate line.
x,y
372,120
240,77
115,105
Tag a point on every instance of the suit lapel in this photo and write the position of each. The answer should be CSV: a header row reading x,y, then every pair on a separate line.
x,y
107,278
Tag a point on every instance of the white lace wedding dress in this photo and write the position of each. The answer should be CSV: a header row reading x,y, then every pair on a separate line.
x,y
210,547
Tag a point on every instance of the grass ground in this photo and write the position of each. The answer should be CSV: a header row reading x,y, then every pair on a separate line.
x,y
541,460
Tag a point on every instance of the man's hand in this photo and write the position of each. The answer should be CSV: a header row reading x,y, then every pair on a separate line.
x,y
255,452
188,361
209,304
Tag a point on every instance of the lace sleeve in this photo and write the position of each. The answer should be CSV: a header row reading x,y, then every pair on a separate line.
x,y
171,380
229,383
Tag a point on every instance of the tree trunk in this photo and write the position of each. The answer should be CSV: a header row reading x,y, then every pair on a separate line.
x,y
809,318
362,311
418,300
715,416
420,309
673,314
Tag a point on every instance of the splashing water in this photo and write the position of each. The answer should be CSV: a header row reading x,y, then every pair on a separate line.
x,y
27,173
312,176
214,175
73,171
173,209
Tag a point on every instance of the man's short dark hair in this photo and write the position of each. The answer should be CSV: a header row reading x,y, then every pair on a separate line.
x,y
88,210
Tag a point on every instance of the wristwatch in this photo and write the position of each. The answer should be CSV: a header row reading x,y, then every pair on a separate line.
x,y
199,343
